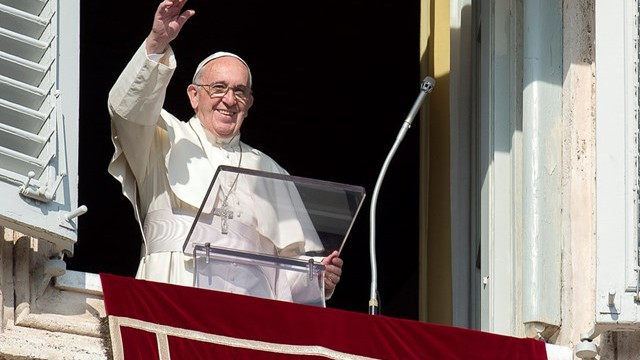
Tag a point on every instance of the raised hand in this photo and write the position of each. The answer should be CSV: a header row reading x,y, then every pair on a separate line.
x,y
167,23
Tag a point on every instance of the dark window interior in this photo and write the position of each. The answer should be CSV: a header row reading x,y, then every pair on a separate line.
x,y
333,82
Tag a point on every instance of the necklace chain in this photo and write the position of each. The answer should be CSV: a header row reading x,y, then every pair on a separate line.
x,y
224,212
234,183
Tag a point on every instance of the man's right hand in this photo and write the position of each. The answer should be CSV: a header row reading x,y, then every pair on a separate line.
x,y
167,23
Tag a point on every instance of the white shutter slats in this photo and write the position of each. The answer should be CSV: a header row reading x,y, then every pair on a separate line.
x,y
27,121
23,46
29,6
23,22
23,141
22,117
23,70
23,94
20,163
34,127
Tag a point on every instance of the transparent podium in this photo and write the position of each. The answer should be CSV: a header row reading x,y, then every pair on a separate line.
x,y
264,234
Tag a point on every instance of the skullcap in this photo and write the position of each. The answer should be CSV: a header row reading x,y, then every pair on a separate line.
x,y
216,55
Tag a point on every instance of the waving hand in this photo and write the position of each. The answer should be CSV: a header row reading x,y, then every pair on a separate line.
x,y
167,23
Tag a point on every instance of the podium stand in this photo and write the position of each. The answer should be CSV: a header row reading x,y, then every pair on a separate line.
x,y
264,234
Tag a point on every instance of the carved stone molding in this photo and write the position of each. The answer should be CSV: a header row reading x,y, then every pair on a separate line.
x,y
56,314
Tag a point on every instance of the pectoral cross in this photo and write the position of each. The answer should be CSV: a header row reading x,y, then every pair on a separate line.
x,y
225,214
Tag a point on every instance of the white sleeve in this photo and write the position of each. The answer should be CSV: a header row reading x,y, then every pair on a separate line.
x,y
155,57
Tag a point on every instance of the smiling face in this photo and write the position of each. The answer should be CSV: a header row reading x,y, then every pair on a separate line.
x,y
223,114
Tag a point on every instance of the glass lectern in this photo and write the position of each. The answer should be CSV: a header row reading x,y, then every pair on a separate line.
x,y
264,234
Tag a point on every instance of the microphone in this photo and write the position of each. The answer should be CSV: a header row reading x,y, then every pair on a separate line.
x,y
426,87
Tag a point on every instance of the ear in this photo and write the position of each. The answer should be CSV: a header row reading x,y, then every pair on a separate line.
x,y
192,92
248,105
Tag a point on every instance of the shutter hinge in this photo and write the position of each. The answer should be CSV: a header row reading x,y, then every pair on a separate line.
x,y
43,193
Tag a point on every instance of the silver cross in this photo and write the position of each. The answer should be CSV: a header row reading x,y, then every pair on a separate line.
x,y
225,214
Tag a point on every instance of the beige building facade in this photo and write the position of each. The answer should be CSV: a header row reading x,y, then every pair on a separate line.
x,y
530,172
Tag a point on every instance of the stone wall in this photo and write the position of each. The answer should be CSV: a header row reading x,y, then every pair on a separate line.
x,y
44,316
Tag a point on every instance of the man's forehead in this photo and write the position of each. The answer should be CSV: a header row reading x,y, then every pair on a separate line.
x,y
218,55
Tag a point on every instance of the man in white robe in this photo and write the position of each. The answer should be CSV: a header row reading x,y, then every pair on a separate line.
x,y
165,165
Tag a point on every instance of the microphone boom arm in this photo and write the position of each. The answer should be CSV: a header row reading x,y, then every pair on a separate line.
x,y
426,87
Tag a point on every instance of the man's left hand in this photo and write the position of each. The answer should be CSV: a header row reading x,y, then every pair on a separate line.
x,y
333,270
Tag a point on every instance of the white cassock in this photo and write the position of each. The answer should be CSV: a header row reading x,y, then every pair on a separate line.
x,y
165,167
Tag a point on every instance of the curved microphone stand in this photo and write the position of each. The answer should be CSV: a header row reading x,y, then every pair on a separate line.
x,y
426,86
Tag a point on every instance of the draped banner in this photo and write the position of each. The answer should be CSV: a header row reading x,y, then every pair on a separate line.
x,y
155,321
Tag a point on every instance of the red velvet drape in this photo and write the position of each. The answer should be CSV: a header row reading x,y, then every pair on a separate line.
x,y
206,324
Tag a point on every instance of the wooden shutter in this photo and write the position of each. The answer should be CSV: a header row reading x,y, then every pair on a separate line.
x,y
39,80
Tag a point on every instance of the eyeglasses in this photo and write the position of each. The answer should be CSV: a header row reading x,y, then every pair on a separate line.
x,y
215,90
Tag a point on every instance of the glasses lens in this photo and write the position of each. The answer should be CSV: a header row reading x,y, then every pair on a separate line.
x,y
220,89
241,93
